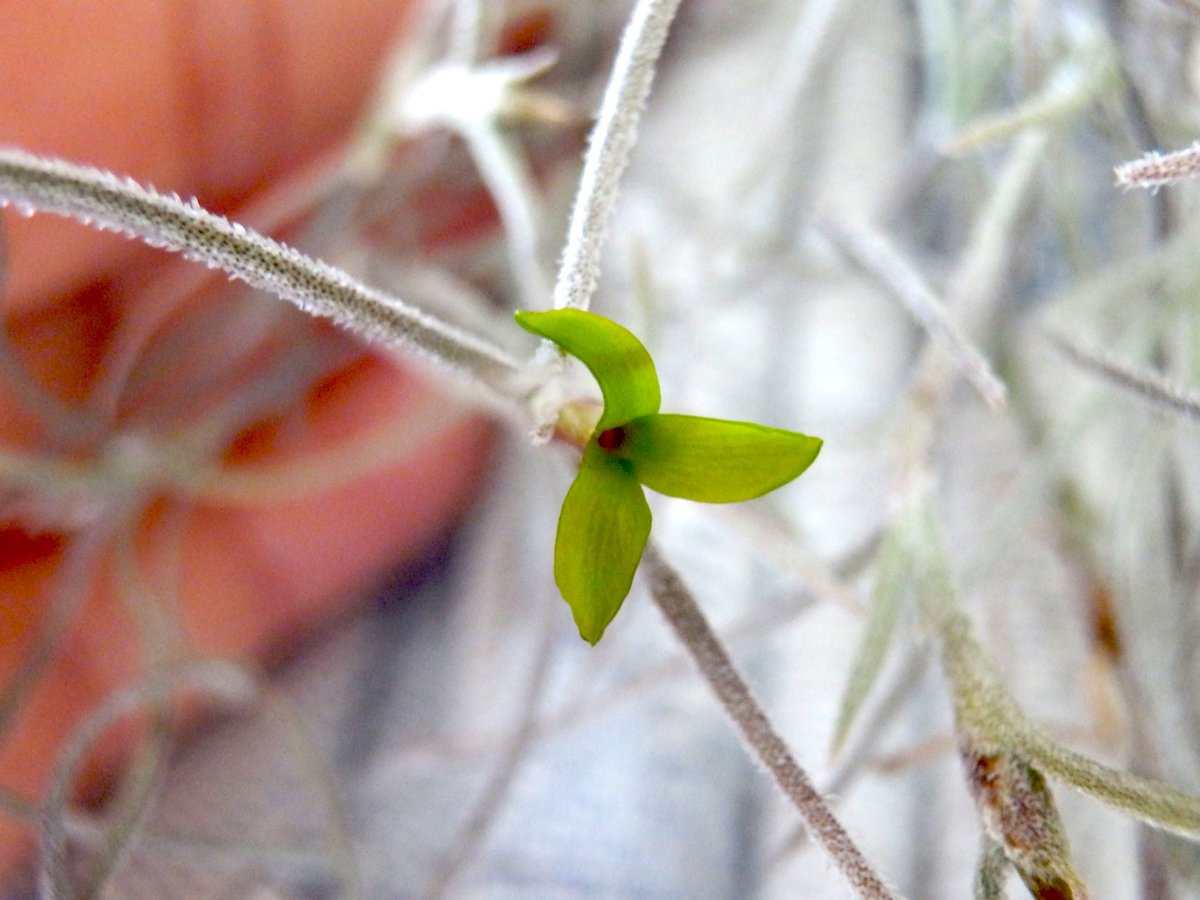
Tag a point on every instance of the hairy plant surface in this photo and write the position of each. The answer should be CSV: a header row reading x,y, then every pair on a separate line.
x,y
963,647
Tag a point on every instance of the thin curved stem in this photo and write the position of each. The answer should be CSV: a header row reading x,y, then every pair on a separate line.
x,y
129,810
469,31
63,421
105,201
609,146
302,744
1160,394
689,623
874,254
73,581
512,757
224,680
320,471
507,177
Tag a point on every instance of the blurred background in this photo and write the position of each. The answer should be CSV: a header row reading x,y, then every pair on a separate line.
x,y
869,223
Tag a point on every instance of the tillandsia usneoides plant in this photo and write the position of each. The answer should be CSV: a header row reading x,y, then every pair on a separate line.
x,y
999,526
96,198
747,459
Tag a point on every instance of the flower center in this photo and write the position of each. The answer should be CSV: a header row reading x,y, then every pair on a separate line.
x,y
612,439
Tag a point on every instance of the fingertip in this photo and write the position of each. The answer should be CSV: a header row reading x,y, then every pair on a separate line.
x,y
209,99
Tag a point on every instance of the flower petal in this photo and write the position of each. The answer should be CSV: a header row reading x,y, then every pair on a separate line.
x,y
714,460
602,532
616,359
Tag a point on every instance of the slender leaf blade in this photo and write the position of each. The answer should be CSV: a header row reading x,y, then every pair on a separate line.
x,y
614,356
890,591
991,871
1155,803
602,531
714,460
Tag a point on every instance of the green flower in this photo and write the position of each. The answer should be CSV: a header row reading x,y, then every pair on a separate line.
x,y
605,519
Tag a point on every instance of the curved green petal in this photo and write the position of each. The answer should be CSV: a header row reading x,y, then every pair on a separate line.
x,y
616,359
602,532
714,460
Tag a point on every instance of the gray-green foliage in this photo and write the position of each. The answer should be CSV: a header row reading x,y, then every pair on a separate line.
x,y
958,158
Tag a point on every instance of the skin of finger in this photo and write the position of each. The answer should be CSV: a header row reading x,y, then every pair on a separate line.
x,y
212,98
125,101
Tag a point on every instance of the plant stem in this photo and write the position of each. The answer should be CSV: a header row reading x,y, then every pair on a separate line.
x,y
225,681
1150,387
101,199
879,258
689,623
609,146
508,180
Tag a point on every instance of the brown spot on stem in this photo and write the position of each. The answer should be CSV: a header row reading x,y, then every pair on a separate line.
x,y
1105,630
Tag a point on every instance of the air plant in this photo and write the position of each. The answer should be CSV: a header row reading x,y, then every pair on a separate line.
x,y
925,567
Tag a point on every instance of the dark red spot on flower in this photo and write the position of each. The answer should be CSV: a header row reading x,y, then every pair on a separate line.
x,y
612,439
